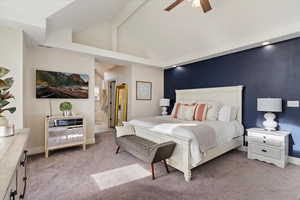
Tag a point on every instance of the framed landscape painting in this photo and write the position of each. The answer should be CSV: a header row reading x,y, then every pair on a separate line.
x,y
61,85
143,90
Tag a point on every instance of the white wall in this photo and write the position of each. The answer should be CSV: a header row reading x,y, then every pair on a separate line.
x,y
129,75
11,57
99,36
36,109
143,108
121,74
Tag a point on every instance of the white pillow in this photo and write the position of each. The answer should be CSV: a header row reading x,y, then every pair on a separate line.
x,y
213,109
186,112
227,113
125,130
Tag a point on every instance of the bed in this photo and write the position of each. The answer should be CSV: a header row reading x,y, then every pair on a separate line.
x,y
186,156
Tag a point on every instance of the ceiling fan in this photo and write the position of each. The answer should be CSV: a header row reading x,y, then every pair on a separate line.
x,y
204,4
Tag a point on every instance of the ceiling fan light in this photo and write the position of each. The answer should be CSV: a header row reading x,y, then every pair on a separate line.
x,y
196,3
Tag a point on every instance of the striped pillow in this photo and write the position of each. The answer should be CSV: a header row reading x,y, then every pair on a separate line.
x,y
200,112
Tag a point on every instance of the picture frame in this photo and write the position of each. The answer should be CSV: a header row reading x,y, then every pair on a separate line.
x,y
143,90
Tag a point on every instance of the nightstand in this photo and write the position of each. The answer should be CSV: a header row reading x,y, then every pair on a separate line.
x,y
268,146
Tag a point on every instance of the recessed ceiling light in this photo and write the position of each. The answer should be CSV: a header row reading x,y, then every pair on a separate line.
x,y
266,43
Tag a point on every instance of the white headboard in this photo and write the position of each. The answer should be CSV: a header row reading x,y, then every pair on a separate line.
x,y
226,95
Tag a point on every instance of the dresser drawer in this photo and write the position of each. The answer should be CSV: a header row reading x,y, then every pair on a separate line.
x,y
265,140
265,151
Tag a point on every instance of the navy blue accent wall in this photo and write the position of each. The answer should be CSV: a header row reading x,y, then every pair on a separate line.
x,y
269,71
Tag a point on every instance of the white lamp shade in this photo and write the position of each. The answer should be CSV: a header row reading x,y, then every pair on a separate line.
x,y
269,104
164,102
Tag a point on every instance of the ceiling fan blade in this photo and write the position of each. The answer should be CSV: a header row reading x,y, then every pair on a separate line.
x,y
173,5
205,5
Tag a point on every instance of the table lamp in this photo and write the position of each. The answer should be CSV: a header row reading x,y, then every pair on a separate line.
x,y
269,105
164,103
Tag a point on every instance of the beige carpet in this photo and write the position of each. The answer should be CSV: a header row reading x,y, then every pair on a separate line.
x,y
67,175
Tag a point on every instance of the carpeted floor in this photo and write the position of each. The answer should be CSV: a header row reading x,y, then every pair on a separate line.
x,y
66,175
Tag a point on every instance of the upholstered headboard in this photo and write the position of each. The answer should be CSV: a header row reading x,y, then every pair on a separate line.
x,y
226,95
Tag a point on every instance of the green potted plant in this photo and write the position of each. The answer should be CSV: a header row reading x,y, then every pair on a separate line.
x,y
5,85
66,108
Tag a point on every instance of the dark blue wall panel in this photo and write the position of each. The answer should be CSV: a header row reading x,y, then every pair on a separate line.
x,y
269,71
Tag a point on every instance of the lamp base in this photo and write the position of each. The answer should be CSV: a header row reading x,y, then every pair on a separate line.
x,y
164,111
269,123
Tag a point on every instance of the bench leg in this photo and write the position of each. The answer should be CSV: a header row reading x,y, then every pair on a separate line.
x,y
118,150
166,166
152,169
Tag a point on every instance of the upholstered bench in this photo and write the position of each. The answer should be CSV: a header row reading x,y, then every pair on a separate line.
x,y
145,150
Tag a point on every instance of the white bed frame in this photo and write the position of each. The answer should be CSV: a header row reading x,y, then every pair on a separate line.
x,y
181,155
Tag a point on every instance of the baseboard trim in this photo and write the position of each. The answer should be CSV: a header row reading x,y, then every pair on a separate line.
x,y
294,160
291,159
41,149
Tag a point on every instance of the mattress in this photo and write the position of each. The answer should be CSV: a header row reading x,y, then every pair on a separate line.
x,y
221,132
225,131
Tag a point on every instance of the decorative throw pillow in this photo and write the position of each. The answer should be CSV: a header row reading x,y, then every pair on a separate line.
x,y
227,113
201,112
212,110
125,130
178,104
186,112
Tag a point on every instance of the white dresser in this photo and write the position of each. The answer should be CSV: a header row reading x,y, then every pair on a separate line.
x,y
13,165
268,146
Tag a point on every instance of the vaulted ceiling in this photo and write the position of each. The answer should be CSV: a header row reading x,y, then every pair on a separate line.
x,y
83,13
187,34
31,12
181,36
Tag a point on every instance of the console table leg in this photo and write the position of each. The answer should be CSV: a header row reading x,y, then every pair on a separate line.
x,y
46,154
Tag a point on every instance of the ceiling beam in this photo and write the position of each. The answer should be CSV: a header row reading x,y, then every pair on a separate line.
x,y
103,55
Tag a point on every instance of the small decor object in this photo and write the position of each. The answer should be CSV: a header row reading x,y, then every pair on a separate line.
x,y
66,108
269,105
5,85
143,90
164,104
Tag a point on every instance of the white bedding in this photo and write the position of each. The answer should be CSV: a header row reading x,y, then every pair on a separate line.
x,y
224,132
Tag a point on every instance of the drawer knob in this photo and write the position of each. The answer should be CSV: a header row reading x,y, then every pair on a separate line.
x,y
264,141
263,150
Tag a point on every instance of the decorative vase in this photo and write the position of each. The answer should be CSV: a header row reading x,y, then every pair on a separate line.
x,y
67,113
3,121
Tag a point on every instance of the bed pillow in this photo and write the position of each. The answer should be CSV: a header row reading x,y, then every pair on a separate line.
x,y
175,110
125,130
227,113
177,104
212,109
186,111
201,112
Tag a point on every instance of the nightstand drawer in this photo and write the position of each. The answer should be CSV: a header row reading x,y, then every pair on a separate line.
x,y
265,140
265,151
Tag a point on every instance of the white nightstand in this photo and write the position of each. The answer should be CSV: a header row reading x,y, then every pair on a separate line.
x,y
268,146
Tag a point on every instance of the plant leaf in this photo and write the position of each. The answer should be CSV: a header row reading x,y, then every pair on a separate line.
x,y
11,110
6,95
9,82
3,71
3,103
3,85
